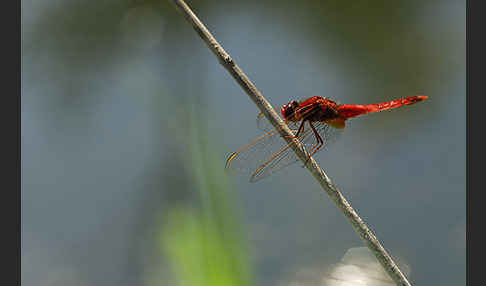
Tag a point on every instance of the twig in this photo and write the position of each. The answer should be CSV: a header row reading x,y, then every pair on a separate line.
x,y
373,244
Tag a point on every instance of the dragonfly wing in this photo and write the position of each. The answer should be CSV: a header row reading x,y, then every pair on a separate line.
x,y
247,158
286,156
269,147
278,161
275,152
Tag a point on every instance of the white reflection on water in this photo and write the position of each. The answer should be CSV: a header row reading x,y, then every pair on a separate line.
x,y
360,267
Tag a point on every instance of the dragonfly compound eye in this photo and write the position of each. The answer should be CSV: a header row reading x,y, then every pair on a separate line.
x,y
288,110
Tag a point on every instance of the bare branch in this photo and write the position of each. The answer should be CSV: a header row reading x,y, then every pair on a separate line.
x,y
255,95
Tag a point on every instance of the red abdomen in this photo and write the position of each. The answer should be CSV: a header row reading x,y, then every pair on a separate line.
x,y
352,110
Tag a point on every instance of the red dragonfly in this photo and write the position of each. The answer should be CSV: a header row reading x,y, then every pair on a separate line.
x,y
325,118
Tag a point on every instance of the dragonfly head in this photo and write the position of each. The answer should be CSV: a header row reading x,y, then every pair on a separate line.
x,y
288,110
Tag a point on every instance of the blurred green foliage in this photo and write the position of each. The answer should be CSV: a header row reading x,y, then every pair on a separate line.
x,y
206,245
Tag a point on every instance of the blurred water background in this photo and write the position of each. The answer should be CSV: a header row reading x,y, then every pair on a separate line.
x,y
127,119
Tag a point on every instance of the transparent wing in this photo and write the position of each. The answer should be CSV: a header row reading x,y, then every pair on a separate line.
x,y
286,156
248,158
269,153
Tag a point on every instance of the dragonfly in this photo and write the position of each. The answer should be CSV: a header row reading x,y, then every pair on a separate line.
x,y
325,119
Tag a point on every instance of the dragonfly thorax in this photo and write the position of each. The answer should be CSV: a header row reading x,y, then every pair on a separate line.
x,y
316,108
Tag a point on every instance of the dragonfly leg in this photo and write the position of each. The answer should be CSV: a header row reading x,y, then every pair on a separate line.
x,y
317,146
301,128
319,143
